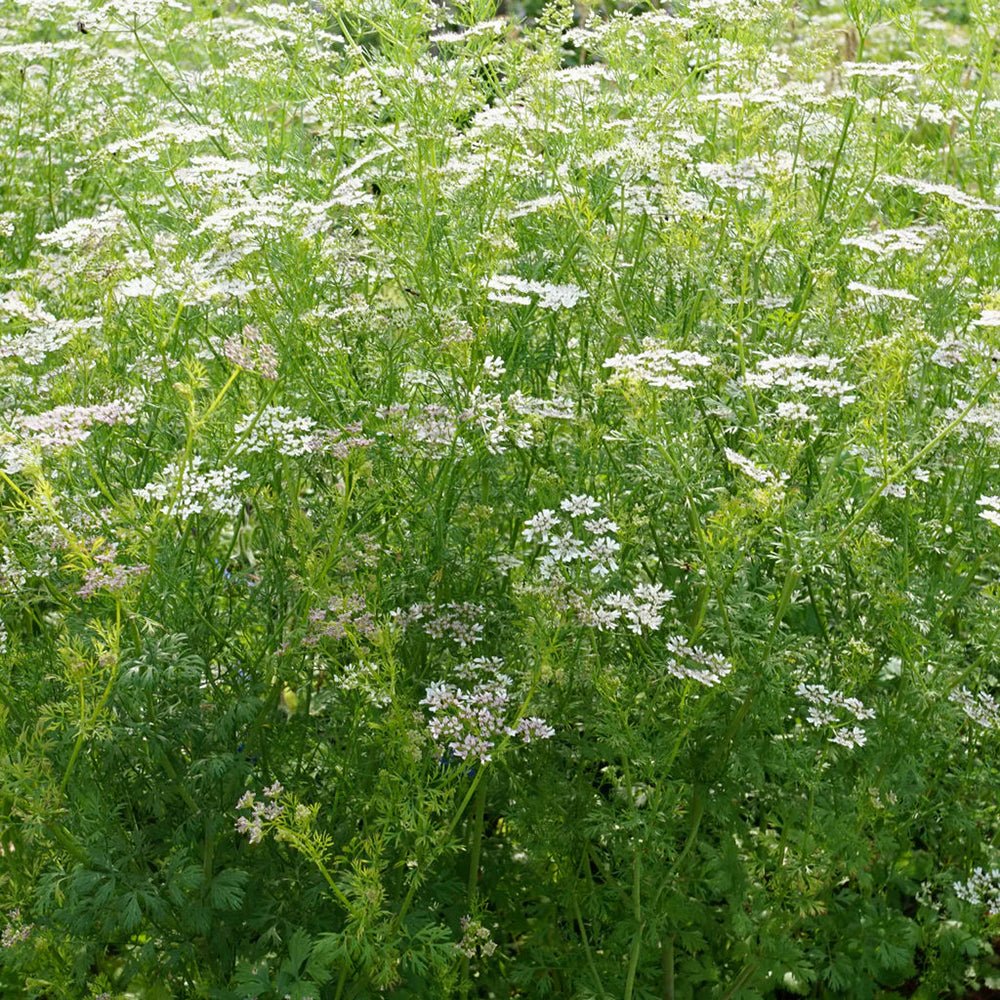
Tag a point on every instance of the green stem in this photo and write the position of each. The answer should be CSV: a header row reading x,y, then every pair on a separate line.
x,y
633,962
476,843
667,961
578,917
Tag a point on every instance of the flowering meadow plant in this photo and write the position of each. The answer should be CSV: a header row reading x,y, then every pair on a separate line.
x,y
499,501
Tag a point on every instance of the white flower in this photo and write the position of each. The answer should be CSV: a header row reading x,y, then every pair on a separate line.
x,y
193,491
493,367
748,468
797,412
508,288
540,526
989,317
881,293
850,738
579,505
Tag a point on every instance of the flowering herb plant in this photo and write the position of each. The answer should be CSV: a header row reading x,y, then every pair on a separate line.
x,y
499,500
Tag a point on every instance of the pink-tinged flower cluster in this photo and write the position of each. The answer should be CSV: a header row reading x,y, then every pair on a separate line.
x,y
16,930
261,812
469,723
107,575
476,939
252,353
459,622
341,616
340,442
65,426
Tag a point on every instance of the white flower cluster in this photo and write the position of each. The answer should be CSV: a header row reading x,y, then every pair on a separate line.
x,y
476,939
15,457
640,611
588,541
881,293
551,408
693,663
982,889
260,812
739,177
468,724
982,707
494,367
516,291
89,233
13,575
797,413
13,305
797,373
986,416
988,318
501,428
886,242
827,708
149,146
276,428
749,468
33,346
953,194
195,489
734,11
656,365
595,551
365,678
991,509
198,283
950,353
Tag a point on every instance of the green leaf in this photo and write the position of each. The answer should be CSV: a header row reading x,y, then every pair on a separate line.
x,y
226,889
299,948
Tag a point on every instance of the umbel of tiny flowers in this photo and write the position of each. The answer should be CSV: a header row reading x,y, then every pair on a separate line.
x,y
981,889
469,723
587,540
982,707
195,489
688,662
476,939
991,509
263,813
828,708
16,930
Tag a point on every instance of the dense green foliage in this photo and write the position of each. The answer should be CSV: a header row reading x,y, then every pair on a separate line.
x,y
498,507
